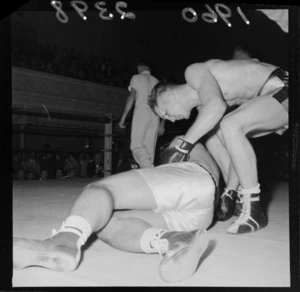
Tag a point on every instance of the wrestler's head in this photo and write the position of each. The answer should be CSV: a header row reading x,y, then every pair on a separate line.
x,y
243,52
167,103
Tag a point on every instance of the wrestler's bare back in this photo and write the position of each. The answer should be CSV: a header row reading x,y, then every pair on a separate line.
x,y
239,80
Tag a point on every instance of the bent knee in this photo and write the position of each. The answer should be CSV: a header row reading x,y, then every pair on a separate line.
x,y
98,186
214,141
231,126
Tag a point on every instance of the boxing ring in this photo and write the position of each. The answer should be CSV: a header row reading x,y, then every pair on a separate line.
x,y
107,120
259,259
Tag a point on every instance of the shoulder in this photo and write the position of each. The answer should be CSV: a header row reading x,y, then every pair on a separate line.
x,y
154,78
201,75
196,70
135,79
202,68
135,76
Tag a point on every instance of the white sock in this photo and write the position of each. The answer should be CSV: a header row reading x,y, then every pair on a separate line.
x,y
77,225
148,238
255,190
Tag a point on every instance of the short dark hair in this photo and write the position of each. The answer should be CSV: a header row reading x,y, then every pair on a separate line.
x,y
144,62
157,90
246,49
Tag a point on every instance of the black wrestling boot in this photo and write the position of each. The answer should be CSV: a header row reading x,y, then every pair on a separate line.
x,y
226,205
252,216
238,205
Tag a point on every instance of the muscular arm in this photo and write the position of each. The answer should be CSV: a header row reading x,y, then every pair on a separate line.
x,y
128,106
212,107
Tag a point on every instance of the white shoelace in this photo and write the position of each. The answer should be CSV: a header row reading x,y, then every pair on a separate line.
x,y
223,205
239,198
226,194
162,246
245,214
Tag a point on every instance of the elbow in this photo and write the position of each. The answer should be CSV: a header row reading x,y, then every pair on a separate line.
x,y
219,109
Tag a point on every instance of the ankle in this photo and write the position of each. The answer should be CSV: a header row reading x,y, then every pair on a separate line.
x,y
148,238
77,225
249,191
69,239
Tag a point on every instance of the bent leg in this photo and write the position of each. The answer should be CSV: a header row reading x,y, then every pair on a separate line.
x,y
180,251
221,155
125,228
126,190
226,204
91,212
262,114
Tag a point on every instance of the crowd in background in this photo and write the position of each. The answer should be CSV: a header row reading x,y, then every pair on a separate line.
x,y
57,165
68,62
47,165
272,165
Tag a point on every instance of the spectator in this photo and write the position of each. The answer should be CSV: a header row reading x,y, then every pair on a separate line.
x,y
17,163
126,162
43,160
71,167
31,165
30,175
20,175
69,62
83,162
56,163
44,174
59,174
95,167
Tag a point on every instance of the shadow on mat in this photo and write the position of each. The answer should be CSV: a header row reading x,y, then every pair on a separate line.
x,y
211,246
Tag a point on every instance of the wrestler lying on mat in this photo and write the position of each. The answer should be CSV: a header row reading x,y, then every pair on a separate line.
x,y
168,209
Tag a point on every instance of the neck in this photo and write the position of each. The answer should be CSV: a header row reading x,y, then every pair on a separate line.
x,y
191,99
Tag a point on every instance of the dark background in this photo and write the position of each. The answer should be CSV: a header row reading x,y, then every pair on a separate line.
x,y
159,33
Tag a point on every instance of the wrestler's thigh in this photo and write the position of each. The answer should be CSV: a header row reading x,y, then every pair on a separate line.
x,y
129,191
261,113
154,219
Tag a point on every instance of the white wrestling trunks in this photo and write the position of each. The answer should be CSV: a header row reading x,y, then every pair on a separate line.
x,y
184,193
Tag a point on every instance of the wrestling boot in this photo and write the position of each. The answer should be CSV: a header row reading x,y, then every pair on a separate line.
x,y
226,205
238,205
61,252
180,252
252,216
